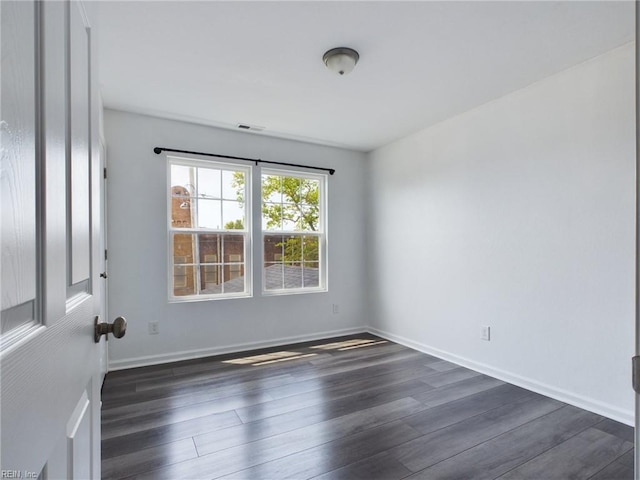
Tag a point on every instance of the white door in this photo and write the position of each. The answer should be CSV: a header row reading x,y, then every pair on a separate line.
x,y
50,230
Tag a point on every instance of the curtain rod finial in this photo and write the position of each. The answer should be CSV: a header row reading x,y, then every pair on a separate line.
x,y
157,150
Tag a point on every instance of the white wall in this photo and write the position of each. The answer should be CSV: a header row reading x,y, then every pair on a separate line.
x,y
519,215
138,276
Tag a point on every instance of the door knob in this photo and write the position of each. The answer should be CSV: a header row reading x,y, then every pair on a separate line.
x,y
118,328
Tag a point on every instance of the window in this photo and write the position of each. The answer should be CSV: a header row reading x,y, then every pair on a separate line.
x,y
210,225
208,231
293,232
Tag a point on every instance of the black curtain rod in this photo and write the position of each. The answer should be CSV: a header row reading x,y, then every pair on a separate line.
x,y
159,150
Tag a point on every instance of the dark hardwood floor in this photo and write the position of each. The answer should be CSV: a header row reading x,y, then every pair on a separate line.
x,y
355,407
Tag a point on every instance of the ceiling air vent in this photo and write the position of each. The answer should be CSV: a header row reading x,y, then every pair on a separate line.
x,y
253,128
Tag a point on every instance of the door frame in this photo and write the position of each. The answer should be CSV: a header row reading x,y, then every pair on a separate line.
x,y
636,359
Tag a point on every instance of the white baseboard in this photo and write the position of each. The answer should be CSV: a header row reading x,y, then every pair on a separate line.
x,y
585,403
240,347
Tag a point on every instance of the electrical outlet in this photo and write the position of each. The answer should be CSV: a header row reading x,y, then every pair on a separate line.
x,y
336,309
485,333
154,328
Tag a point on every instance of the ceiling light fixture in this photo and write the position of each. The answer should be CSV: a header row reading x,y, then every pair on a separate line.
x,y
341,60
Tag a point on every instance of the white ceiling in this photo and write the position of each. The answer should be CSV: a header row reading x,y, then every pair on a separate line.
x,y
224,63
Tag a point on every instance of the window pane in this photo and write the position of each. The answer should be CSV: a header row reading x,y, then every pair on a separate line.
x,y
291,190
180,191
211,275
288,220
184,177
234,278
273,276
210,279
273,248
210,246
184,280
181,213
293,250
272,216
180,276
233,215
225,279
271,189
310,249
183,248
311,274
308,219
292,276
310,192
209,214
209,183
232,185
290,204
233,248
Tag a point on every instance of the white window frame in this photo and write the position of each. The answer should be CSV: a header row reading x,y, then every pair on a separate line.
x,y
246,232
321,233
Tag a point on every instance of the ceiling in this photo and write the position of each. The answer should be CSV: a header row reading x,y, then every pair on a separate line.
x,y
260,63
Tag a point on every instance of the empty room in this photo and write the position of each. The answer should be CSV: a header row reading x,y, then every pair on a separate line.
x,y
319,240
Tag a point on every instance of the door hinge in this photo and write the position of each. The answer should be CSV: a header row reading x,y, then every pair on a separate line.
x,y
105,255
104,172
635,362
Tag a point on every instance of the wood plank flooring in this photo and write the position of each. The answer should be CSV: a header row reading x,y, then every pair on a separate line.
x,y
355,407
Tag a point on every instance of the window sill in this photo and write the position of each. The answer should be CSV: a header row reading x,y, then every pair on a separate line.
x,y
297,291
208,298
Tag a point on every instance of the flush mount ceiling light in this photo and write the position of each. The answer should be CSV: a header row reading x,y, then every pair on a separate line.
x,y
341,60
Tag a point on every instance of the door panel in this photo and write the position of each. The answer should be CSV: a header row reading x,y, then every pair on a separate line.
x,y
43,379
18,137
79,439
79,194
55,123
50,389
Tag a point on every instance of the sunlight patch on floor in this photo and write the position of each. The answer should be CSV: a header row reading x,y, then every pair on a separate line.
x,y
285,359
267,358
262,358
349,344
363,345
